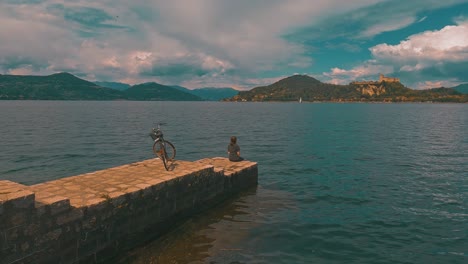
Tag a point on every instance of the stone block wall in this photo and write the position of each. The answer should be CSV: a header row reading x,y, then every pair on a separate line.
x,y
91,217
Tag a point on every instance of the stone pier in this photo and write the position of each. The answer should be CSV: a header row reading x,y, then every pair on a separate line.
x,y
90,217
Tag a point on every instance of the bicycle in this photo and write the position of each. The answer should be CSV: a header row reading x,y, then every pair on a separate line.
x,y
162,148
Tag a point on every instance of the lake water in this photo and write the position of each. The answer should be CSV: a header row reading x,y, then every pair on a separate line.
x,y
338,183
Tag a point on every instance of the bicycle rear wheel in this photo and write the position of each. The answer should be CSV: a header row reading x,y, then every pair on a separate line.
x,y
170,150
159,150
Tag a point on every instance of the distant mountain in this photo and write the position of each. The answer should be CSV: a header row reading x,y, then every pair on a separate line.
x,y
158,92
441,91
65,86
297,86
310,89
462,88
114,85
214,94
209,93
183,89
59,86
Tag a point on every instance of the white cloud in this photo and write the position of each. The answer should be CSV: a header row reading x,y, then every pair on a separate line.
x,y
431,55
25,70
30,36
244,37
223,42
388,25
410,68
450,44
236,82
435,84
367,71
422,19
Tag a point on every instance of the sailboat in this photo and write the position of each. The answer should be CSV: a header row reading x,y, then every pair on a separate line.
x,y
300,99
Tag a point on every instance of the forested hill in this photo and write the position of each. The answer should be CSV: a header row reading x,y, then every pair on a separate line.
x,y
310,89
295,87
158,92
462,88
65,86
214,93
60,86
114,85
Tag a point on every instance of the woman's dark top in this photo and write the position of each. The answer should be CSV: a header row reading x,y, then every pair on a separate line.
x,y
233,149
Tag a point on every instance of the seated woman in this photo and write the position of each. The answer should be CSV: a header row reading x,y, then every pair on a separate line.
x,y
234,150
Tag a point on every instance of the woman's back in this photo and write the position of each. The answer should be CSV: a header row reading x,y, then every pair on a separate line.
x,y
233,150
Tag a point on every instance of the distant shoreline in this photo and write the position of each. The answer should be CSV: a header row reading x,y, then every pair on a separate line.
x,y
221,101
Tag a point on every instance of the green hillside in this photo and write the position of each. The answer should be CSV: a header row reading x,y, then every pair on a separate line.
x,y
158,92
214,94
298,86
210,93
65,86
462,88
114,85
310,89
60,86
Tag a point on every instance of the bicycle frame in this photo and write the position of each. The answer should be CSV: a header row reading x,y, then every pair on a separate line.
x,y
162,146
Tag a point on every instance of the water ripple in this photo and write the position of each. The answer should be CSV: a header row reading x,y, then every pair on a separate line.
x,y
338,183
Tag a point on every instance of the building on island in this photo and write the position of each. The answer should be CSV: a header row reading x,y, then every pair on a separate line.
x,y
382,78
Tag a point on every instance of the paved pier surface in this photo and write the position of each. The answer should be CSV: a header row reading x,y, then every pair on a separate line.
x,y
95,187
78,218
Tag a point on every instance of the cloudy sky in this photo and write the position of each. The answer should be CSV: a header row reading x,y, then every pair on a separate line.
x,y
240,44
